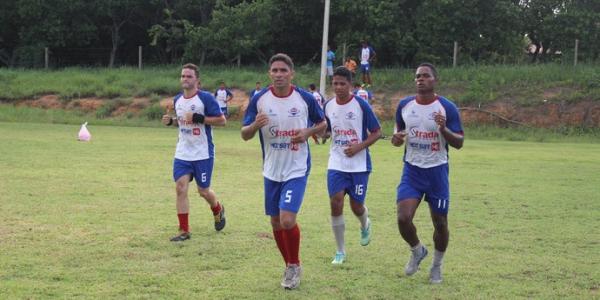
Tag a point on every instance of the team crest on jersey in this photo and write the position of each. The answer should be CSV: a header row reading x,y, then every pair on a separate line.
x,y
193,107
431,116
293,112
350,116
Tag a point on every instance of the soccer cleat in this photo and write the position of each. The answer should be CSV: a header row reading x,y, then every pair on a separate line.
x,y
220,219
435,274
292,277
182,236
365,234
415,259
339,258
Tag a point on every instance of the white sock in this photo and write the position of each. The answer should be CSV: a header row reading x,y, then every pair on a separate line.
x,y
364,219
417,249
339,227
437,257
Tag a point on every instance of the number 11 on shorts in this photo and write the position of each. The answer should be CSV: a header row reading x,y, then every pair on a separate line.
x,y
288,196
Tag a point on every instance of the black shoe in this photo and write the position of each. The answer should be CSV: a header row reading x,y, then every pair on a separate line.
x,y
181,237
220,219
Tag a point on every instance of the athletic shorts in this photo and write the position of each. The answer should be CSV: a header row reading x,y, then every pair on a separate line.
x,y
365,68
285,195
224,111
201,170
431,182
354,184
329,70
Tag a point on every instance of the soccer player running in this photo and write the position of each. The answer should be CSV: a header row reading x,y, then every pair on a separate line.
x,y
427,123
282,115
196,111
223,96
354,127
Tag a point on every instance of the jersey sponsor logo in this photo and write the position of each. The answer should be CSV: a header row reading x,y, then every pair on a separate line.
x,y
193,107
347,132
435,146
343,137
285,146
275,132
350,116
196,131
414,132
293,112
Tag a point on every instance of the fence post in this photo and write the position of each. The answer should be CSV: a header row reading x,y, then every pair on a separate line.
x,y
344,53
455,55
46,58
140,57
576,50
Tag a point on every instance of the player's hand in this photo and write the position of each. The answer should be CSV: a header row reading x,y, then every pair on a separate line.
x,y
188,117
166,119
440,120
261,120
398,138
300,137
352,150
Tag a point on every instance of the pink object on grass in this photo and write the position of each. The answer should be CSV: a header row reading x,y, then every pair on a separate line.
x,y
84,134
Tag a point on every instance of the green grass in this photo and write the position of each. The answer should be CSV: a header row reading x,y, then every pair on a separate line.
x,y
523,84
92,220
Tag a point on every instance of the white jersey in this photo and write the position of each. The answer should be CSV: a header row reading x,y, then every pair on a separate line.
x,y
284,160
349,123
195,140
221,96
365,55
425,145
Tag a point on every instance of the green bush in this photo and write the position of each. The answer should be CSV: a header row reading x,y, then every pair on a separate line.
x,y
153,112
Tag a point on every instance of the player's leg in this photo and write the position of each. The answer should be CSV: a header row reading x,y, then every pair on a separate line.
x,y
358,193
409,194
337,183
439,203
182,171
272,192
291,197
203,174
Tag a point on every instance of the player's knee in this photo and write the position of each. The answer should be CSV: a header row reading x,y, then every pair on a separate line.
x,y
181,188
287,223
440,224
204,193
404,219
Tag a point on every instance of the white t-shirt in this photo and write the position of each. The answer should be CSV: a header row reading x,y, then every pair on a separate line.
x,y
284,160
349,123
195,140
365,55
318,97
426,147
221,96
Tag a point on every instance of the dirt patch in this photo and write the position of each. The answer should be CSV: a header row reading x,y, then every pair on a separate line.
x,y
45,102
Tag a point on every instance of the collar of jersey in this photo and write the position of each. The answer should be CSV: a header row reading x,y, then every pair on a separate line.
x,y
292,87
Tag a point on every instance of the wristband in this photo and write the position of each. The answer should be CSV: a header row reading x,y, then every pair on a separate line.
x,y
198,118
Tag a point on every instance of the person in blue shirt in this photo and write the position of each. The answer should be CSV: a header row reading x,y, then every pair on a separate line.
x,y
330,59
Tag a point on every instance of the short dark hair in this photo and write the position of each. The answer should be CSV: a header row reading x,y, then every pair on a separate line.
x,y
431,67
192,67
283,58
343,72
312,86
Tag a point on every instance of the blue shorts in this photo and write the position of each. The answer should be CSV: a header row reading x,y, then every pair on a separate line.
x,y
365,69
431,182
201,170
286,195
224,111
354,184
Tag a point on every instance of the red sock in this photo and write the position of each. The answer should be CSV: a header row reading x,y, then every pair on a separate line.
x,y
279,236
183,222
217,209
292,238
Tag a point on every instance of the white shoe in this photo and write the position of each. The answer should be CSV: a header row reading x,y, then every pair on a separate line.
x,y
292,277
415,259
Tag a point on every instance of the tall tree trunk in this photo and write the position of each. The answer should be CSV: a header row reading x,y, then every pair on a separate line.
x,y
239,60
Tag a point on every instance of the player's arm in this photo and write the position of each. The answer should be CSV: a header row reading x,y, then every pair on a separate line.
x,y
302,135
452,138
370,140
229,96
250,130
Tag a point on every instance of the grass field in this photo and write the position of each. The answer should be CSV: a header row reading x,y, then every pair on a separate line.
x,y
92,220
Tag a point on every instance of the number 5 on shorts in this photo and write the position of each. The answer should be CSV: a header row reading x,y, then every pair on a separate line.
x,y
288,196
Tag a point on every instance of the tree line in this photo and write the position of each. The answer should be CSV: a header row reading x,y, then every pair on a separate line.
x,y
403,32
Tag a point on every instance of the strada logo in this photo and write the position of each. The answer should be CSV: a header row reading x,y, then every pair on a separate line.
x,y
350,116
294,112
426,135
275,132
346,132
